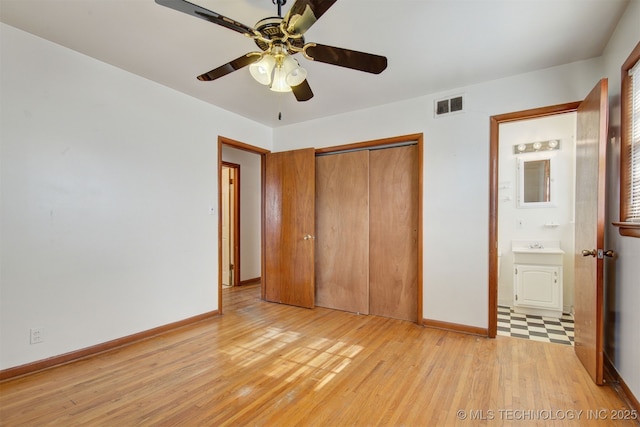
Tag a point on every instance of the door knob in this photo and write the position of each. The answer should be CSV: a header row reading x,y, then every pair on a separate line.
x,y
599,253
309,237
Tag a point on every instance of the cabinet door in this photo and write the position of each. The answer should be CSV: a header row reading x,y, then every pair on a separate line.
x,y
538,286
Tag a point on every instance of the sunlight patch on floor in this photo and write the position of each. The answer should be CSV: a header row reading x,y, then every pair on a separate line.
x,y
321,359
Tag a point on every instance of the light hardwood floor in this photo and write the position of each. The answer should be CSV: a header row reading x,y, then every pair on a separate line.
x,y
274,365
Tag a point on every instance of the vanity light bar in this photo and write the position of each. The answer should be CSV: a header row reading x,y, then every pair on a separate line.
x,y
533,147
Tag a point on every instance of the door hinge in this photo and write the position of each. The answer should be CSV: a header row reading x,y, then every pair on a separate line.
x,y
516,297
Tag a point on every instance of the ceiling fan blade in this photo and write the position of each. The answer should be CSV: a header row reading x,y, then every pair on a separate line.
x,y
304,13
230,67
366,62
303,91
208,15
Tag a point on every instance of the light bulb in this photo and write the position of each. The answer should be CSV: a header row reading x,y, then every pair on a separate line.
x,y
536,145
522,147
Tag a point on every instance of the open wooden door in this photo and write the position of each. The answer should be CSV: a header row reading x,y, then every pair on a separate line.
x,y
290,227
591,138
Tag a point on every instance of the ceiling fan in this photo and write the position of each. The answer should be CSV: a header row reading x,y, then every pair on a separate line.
x,y
279,38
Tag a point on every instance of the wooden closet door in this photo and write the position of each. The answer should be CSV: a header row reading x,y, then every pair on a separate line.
x,y
342,231
393,232
289,227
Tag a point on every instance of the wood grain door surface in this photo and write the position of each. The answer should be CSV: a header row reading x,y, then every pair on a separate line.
x,y
290,227
342,224
393,232
590,206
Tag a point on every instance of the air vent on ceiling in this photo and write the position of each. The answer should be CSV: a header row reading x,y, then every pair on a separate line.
x,y
446,106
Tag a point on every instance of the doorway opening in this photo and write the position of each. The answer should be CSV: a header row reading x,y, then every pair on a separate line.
x,y
240,215
498,195
230,217
536,228
589,221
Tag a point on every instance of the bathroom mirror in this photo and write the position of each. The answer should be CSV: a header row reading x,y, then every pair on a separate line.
x,y
535,183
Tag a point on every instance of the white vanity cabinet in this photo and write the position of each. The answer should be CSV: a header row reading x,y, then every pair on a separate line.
x,y
537,279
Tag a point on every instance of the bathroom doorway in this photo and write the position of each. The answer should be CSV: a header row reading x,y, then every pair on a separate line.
x,y
589,217
534,300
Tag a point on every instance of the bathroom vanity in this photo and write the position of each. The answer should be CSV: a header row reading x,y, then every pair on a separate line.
x,y
537,278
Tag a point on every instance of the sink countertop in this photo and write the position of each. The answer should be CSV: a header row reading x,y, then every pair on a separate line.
x,y
528,250
536,247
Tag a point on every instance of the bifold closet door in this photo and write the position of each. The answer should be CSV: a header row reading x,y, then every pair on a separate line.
x,y
393,232
342,231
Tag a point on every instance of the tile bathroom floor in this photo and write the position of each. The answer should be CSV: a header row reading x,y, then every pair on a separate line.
x,y
537,328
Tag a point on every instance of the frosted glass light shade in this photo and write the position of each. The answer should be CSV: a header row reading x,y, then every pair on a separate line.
x,y
279,83
295,73
262,70
278,70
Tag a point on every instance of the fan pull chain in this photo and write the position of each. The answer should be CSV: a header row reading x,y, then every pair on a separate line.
x,y
280,97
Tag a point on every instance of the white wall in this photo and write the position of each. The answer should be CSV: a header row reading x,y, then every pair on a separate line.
x,y
106,184
250,210
622,275
533,220
456,173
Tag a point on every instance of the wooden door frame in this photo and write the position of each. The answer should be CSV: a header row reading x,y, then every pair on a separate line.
x,y
378,143
254,150
235,219
495,122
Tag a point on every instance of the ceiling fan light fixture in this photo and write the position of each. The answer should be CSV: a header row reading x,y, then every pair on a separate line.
x,y
262,70
279,83
278,38
295,73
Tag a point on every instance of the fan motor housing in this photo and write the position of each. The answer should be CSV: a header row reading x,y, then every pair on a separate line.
x,y
271,29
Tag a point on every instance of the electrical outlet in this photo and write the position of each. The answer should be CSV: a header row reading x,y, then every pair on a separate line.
x,y
36,336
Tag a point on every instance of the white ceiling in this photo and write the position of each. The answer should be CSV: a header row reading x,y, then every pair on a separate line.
x,y
431,45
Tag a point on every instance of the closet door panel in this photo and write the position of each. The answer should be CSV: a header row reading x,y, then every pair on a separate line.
x,y
342,231
393,228
289,227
